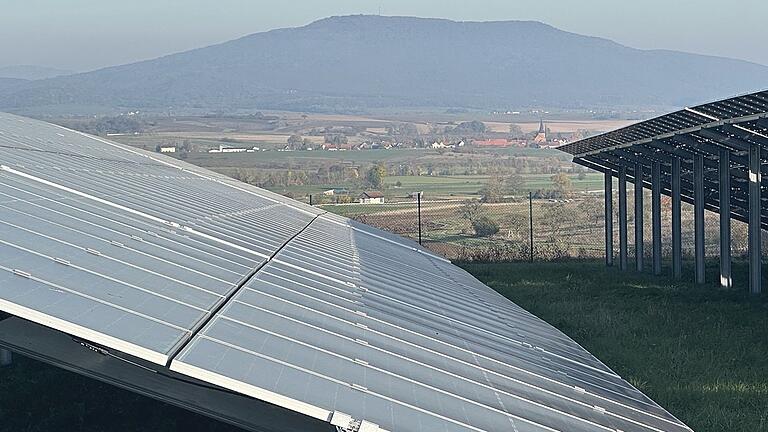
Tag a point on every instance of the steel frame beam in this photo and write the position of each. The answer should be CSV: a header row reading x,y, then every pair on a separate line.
x,y
623,218
656,216
726,280
739,203
639,255
677,235
698,216
739,193
755,252
608,218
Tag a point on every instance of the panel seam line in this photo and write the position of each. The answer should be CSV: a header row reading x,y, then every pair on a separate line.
x,y
230,296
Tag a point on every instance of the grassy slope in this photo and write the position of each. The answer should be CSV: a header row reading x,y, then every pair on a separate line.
x,y
700,352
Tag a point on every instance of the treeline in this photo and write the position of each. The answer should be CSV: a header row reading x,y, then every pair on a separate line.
x,y
122,124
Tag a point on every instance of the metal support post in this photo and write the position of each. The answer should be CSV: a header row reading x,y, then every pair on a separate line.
x,y
623,218
608,218
530,220
418,211
677,237
698,215
755,249
726,281
639,216
656,216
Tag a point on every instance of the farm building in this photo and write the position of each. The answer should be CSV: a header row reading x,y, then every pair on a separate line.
x,y
371,197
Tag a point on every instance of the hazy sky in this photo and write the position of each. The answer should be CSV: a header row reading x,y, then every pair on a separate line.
x,y
88,34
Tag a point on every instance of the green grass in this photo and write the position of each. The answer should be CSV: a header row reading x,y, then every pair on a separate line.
x,y
303,157
455,186
352,210
437,185
700,352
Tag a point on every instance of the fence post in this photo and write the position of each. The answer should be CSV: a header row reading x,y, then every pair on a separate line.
x,y
418,211
530,220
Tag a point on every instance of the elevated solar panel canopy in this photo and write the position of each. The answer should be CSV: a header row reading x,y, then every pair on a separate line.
x,y
713,156
161,277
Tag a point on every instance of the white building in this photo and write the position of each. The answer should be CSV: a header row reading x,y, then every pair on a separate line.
x,y
223,149
371,198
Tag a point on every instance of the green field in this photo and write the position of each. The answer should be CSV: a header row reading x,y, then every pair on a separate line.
x,y
440,187
300,157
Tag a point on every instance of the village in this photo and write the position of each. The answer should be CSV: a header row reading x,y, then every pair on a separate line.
x,y
467,134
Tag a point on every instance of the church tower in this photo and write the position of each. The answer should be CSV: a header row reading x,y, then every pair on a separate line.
x,y
541,137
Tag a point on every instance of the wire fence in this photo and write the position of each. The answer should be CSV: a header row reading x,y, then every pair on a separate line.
x,y
528,228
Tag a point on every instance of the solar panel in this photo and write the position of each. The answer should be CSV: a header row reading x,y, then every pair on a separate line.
x,y
235,286
731,125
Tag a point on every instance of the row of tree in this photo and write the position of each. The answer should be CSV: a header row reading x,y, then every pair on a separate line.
x,y
498,187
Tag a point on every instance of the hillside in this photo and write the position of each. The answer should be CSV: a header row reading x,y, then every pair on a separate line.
x,y
9,84
354,63
31,72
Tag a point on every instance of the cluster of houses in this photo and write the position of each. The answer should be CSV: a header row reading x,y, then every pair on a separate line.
x,y
540,140
227,149
363,146
367,197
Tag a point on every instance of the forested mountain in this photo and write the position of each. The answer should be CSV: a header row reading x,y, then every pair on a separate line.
x,y
354,63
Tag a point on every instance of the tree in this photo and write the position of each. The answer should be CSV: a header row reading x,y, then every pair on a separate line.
x,y
375,176
515,184
472,127
295,142
591,209
493,191
562,184
581,134
485,226
515,131
471,210
335,138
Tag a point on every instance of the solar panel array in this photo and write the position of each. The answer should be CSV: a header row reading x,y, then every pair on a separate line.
x,y
731,125
280,301
747,109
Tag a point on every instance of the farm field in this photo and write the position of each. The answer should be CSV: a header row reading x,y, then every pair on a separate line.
x,y
442,173
471,185
448,187
447,226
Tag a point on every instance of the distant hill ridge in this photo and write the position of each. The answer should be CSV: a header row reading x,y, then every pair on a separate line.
x,y
354,63
31,72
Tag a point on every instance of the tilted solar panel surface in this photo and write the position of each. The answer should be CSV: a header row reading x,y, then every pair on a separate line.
x,y
245,289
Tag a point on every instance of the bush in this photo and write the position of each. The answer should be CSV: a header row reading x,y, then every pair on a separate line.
x,y
485,226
